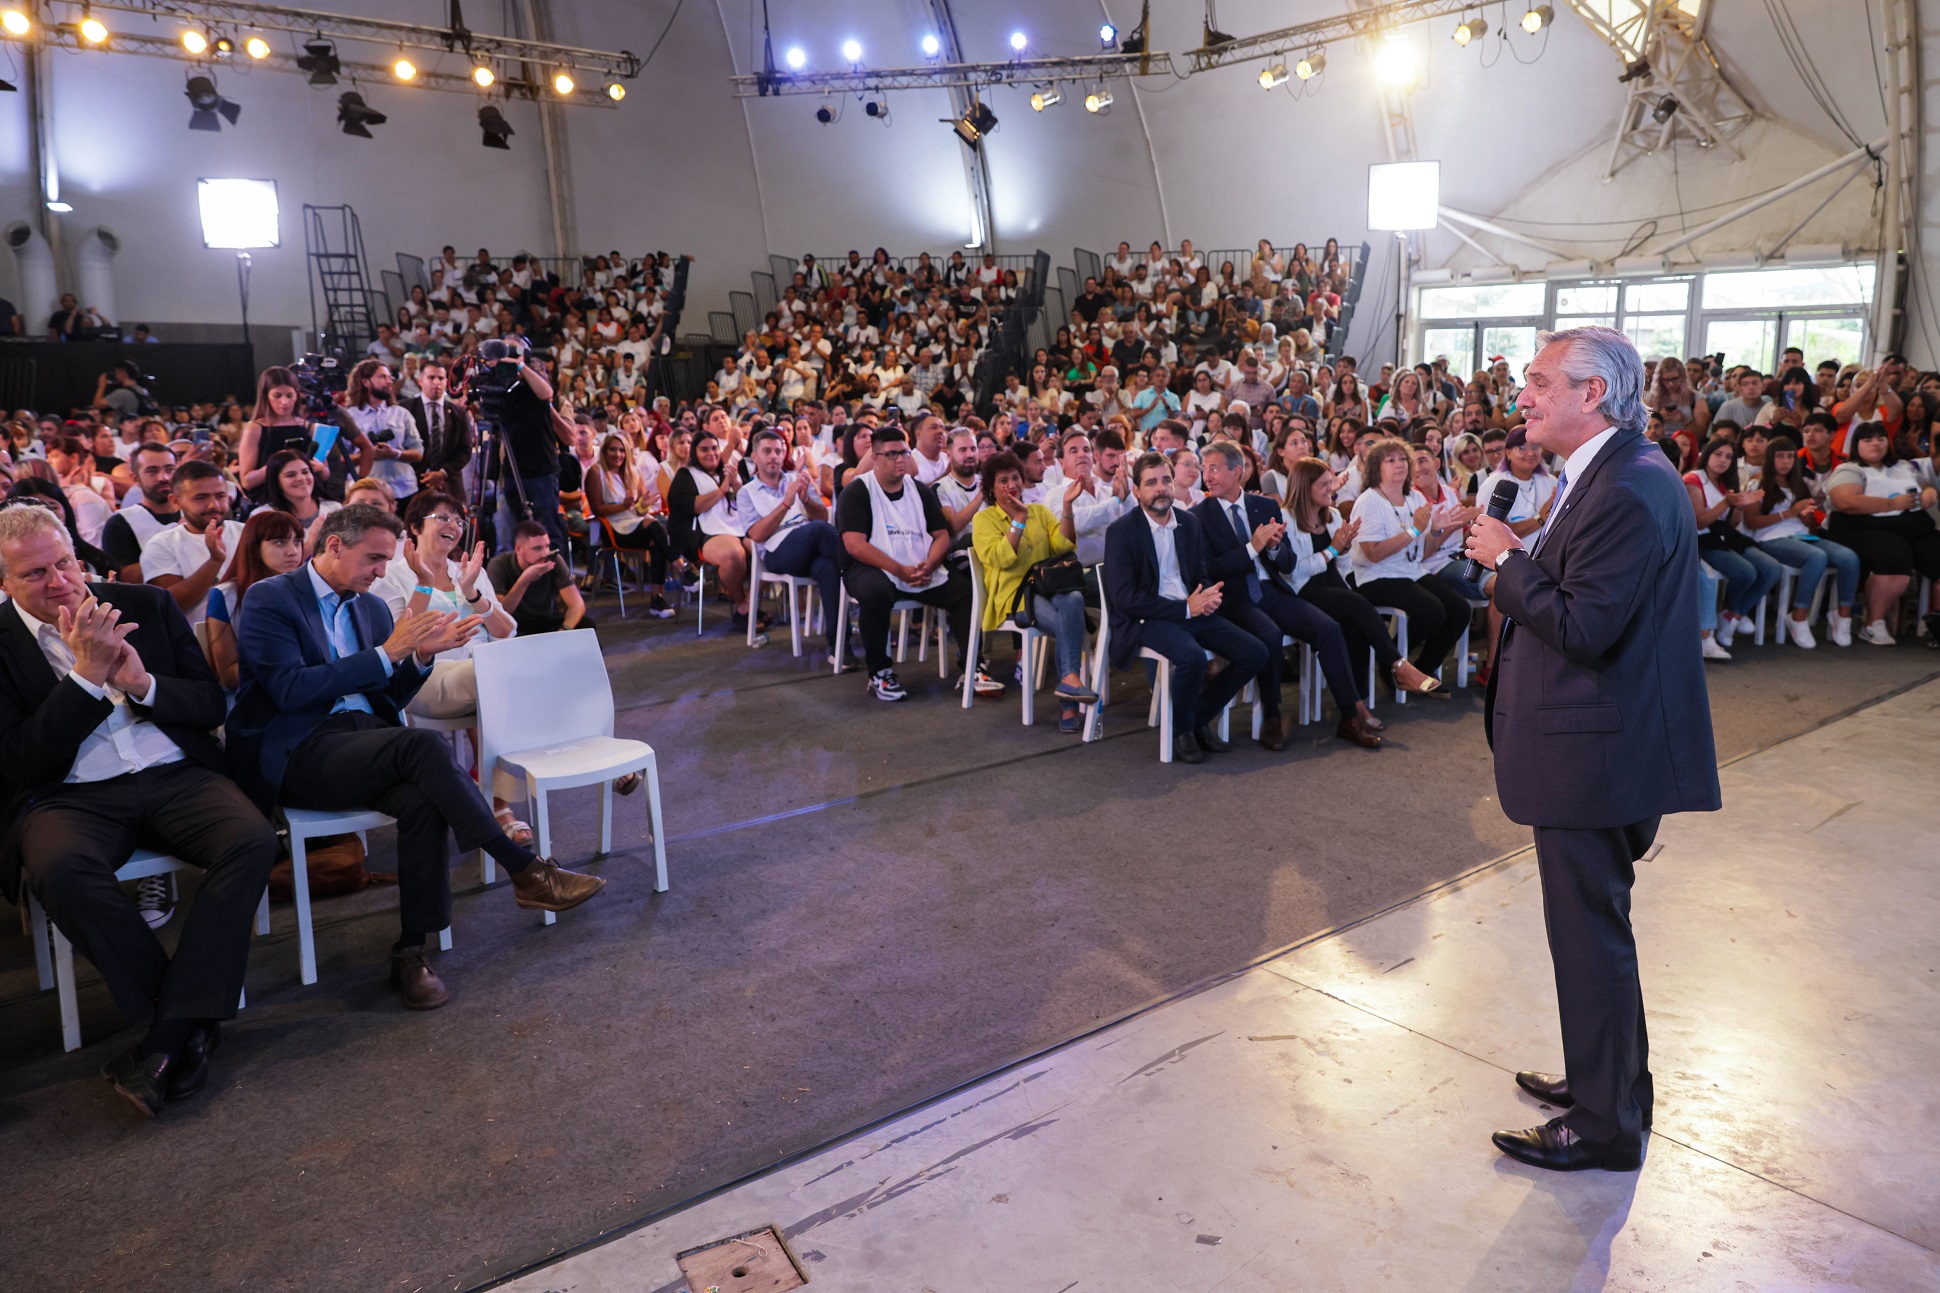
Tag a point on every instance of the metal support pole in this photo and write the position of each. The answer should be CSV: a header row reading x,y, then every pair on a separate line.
x,y
552,135
1486,226
1777,194
1887,321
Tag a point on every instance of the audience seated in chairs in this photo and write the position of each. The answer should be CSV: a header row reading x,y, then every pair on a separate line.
x,y
700,517
189,557
1879,511
1750,574
894,537
1785,519
619,498
107,710
271,544
1161,597
1011,538
1249,554
289,485
783,512
1397,526
326,673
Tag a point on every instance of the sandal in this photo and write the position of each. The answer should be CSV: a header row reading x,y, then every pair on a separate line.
x,y
628,784
520,833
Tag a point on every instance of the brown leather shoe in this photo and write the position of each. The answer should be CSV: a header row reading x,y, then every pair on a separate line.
x,y
415,981
1355,729
1272,735
548,886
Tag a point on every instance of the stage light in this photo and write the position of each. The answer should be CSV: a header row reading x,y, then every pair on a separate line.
x,y
321,62
877,108
194,42
1018,40
1403,195
825,114
1538,17
93,32
1049,97
357,117
1471,29
207,104
404,69
1666,107
562,83
1396,64
483,76
1107,35
256,47
852,50
496,129
931,45
224,47
238,214
16,22
615,91
1273,77
1311,66
1098,101
973,125
795,58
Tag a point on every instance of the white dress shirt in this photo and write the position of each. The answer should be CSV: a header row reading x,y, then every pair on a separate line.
x,y
120,743
1165,539
1573,468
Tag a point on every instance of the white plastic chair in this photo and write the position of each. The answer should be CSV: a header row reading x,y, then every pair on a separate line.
x,y
1033,647
1159,713
1781,597
545,712
304,825
54,955
902,608
1398,619
799,589
1306,689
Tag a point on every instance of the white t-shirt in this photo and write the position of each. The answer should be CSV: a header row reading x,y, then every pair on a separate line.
x,y
1790,527
174,550
928,471
718,519
757,499
399,584
955,497
1381,520
1880,482
1531,494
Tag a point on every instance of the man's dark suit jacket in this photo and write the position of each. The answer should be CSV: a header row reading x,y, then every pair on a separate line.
x,y
44,718
1227,558
1132,578
453,448
289,683
1597,707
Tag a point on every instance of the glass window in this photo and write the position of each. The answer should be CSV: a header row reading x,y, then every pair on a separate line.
x,y
1823,339
1483,301
1646,298
1517,345
1743,341
1769,289
1457,343
1587,298
1656,335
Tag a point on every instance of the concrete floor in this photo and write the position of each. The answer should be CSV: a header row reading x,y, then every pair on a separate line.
x,y
1322,1121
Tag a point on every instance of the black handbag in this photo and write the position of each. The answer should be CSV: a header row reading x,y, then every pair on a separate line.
x,y
1047,579
1721,535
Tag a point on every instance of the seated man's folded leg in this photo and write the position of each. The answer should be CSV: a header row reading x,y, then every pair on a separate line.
x,y
70,847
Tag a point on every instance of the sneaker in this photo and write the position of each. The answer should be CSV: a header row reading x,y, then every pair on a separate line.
x,y
885,685
851,665
1876,634
154,901
1722,635
986,685
1841,629
659,609
1800,633
1712,651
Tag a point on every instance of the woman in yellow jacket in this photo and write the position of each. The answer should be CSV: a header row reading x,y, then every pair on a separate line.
x,y
1010,536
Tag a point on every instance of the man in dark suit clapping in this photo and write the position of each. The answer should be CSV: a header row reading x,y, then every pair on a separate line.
x,y
325,674
106,714
444,426
1160,597
1599,719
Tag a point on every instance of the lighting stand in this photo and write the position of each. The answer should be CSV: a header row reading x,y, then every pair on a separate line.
x,y
242,289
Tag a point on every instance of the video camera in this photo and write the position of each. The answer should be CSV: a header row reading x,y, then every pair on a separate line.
x,y
320,378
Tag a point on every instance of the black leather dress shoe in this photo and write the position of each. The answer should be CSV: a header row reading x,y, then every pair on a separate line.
x,y
1556,1148
141,1080
1209,740
1554,1088
1186,750
190,1071
1273,735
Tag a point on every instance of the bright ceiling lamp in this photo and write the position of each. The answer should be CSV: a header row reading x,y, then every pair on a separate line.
x,y
852,50
16,23
1099,101
931,45
93,32
1538,17
562,83
1107,35
615,91
1018,40
404,70
1471,29
194,41
1311,66
1049,97
1273,77
1396,63
483,77
796,58
256,47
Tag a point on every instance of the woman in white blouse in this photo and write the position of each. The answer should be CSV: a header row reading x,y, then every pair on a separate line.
x,y
1397,526
1877,504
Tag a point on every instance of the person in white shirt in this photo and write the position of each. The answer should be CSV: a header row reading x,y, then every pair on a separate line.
x,y
927,443
1535,494
782,512
1088,498
1396,525
960,490
193,555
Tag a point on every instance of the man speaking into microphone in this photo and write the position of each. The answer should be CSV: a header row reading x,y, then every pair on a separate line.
x,y
1599,721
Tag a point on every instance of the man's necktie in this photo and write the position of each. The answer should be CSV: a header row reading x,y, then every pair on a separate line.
x,y
1246,537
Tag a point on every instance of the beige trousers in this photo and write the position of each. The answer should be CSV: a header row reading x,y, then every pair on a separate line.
x,y
452,692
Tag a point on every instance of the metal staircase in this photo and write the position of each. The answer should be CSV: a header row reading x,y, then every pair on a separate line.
x,y
339,280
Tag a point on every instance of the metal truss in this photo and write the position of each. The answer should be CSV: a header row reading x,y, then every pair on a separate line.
x,y
1301,37
1089,68
1675,88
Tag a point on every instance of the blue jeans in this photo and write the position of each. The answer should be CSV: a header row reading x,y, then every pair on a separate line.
x,y
1708,580
1749,577
1063,617
542,505
812,550
1810,558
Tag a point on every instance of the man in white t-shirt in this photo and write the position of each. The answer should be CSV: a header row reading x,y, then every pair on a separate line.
x,y
959,490
783,512
196,553
927,437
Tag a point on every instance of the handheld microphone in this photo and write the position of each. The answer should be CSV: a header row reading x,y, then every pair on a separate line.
x,y
1501,500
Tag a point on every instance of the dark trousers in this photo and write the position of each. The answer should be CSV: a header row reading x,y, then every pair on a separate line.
x,y
649,536
356,760
1587,876
1195,701
530,498
812,550
1279,615
1437,614
1359,622
74,839
876,597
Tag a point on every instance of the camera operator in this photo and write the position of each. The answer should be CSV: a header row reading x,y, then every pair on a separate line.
x,y
388,443
127,396
530,435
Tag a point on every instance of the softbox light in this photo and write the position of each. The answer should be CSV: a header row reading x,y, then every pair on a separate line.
x,y
238,214
1404,195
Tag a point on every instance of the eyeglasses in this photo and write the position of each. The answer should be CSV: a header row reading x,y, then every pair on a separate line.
x,y
893,454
